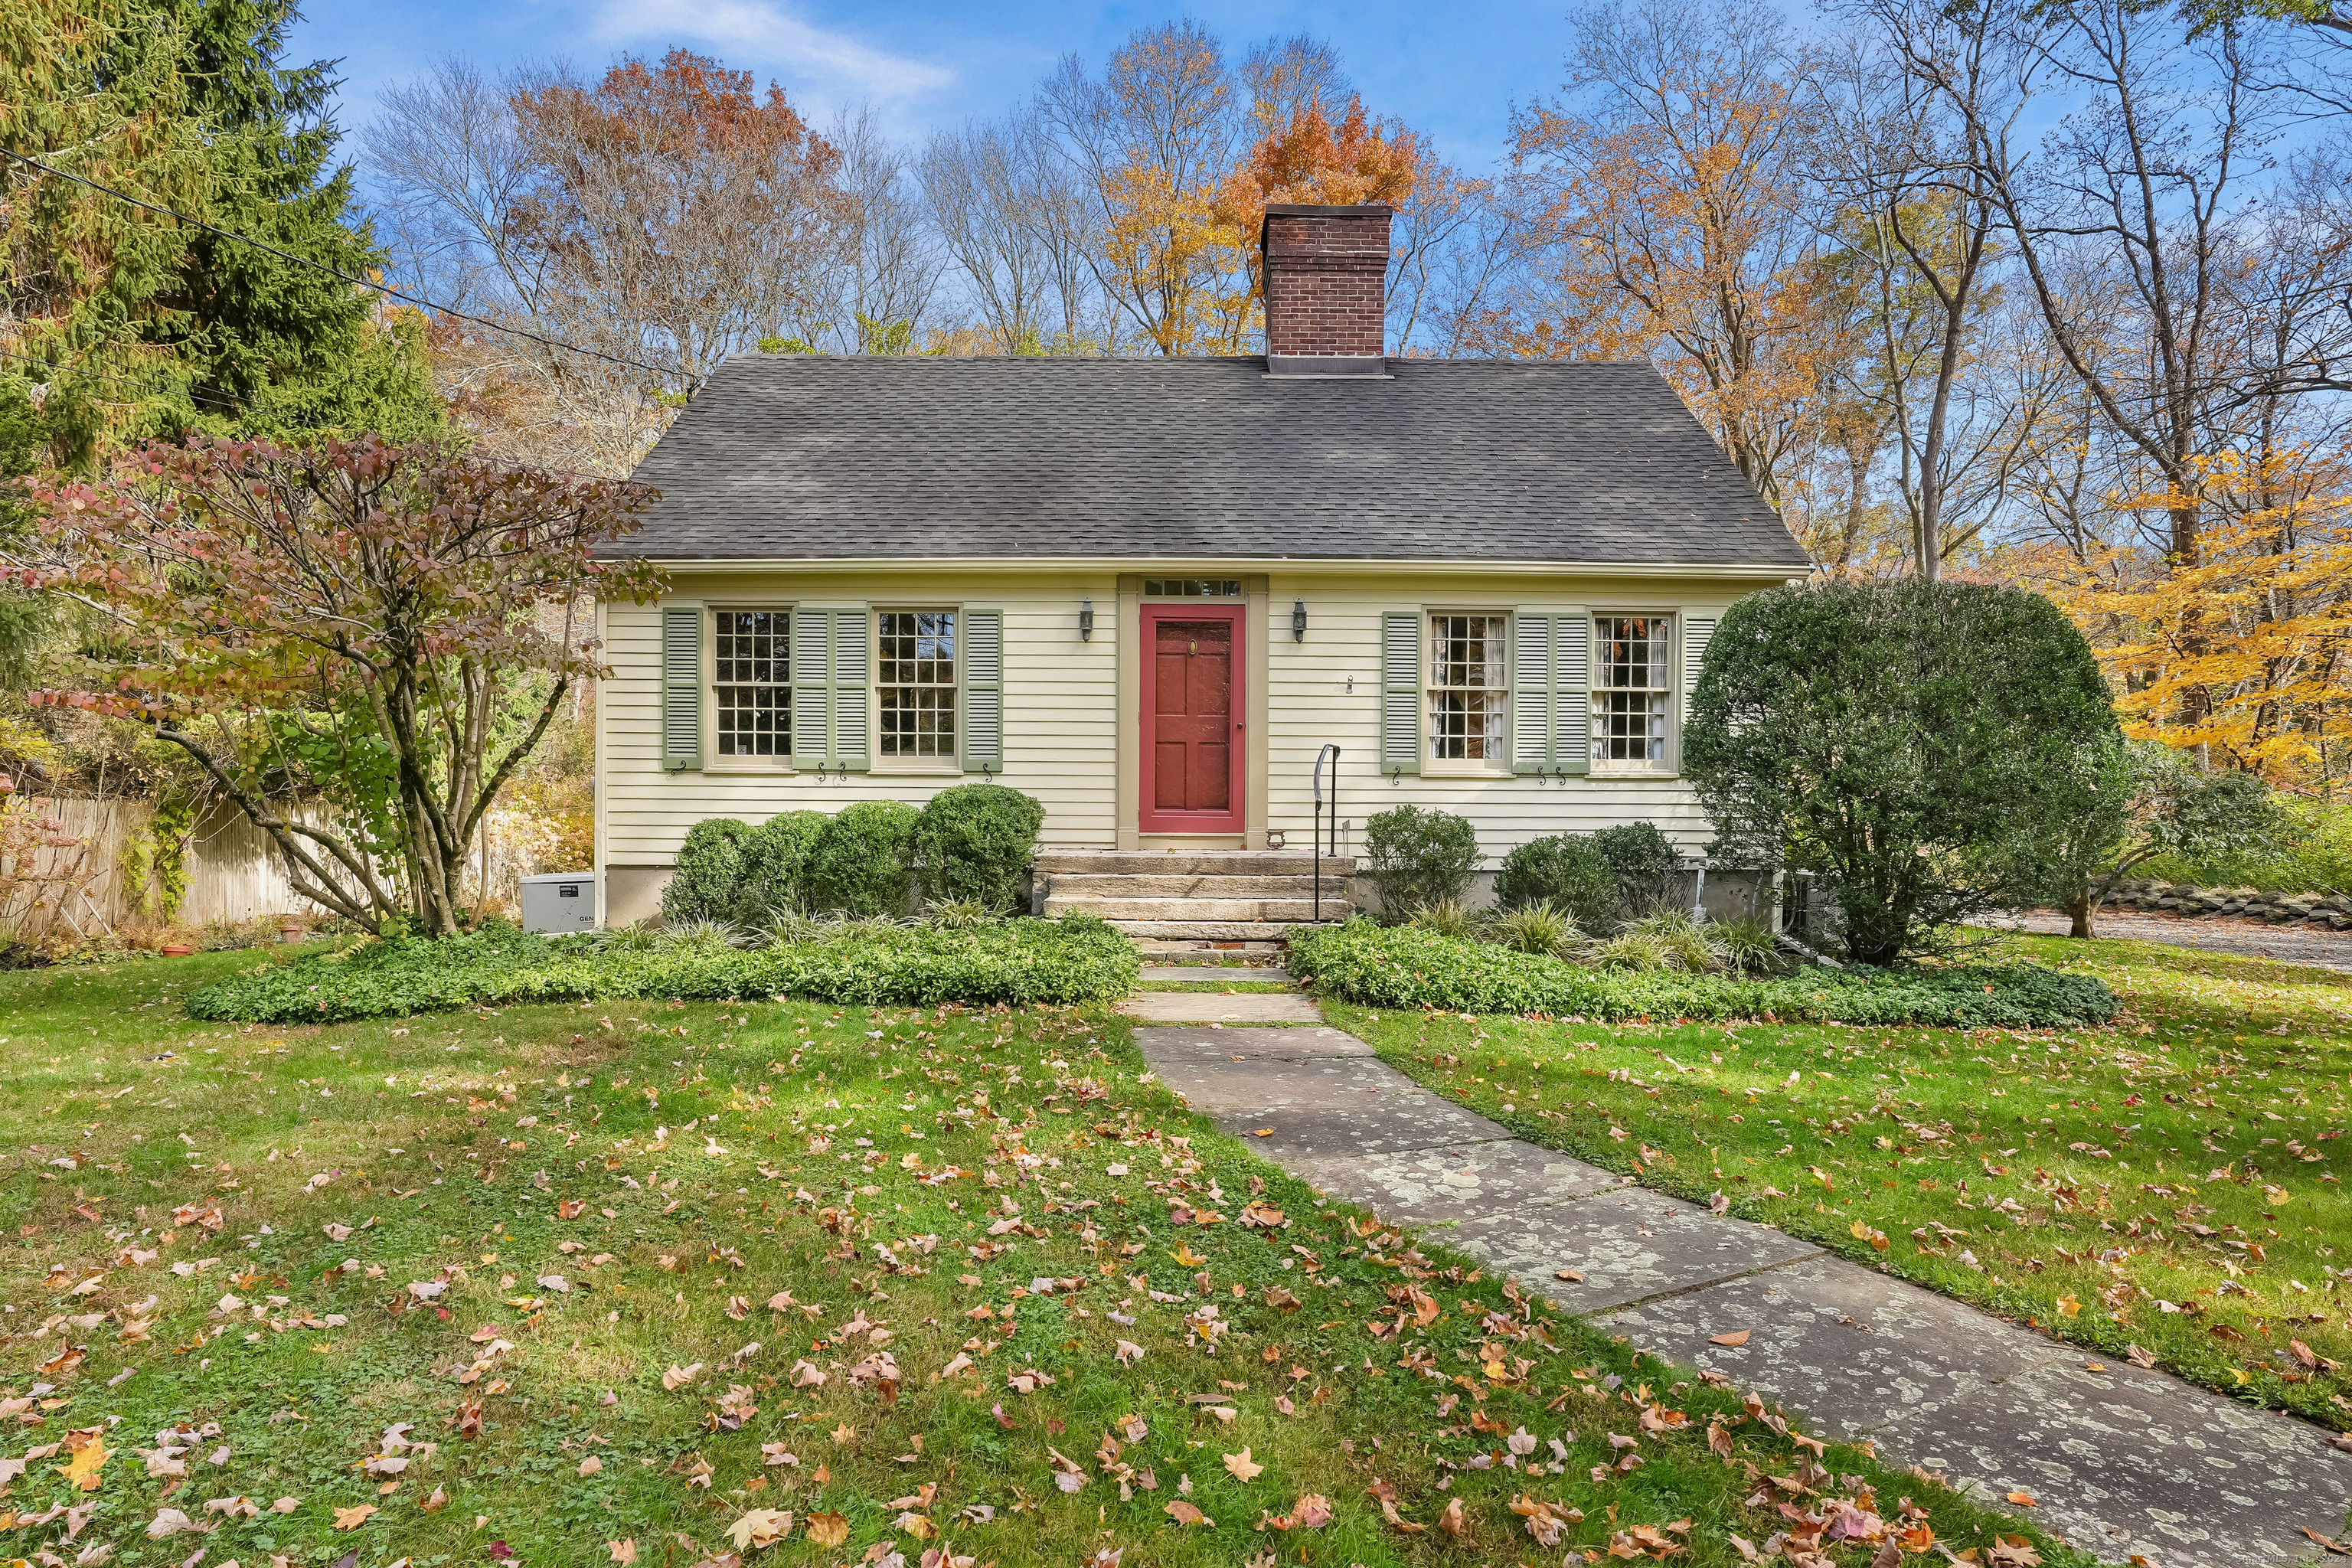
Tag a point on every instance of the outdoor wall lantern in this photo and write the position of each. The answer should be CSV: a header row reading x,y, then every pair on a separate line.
x,y
1298,620
1086,620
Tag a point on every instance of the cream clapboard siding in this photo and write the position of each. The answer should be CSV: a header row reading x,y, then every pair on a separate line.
x,y
1062,706
1058,710
1311,706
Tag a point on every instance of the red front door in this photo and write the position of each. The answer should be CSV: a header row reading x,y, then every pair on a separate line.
x,y
1191,719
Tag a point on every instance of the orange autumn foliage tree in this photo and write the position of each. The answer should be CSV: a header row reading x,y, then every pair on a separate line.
x,y
2243,655
1310,160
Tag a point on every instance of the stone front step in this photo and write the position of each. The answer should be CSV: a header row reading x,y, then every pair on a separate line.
x,y
1123,885
1157,936
1258,945
1187,863
1241,911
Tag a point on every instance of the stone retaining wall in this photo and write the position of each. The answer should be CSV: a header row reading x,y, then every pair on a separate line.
x,y
2332,910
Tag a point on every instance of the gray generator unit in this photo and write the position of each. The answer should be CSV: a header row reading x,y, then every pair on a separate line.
x,y
559,901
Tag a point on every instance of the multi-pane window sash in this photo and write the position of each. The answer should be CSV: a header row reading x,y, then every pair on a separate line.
x,y
1468,690
751,682
918,683
1633,688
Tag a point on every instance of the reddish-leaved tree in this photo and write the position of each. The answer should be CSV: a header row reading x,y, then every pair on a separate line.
x,y
358,642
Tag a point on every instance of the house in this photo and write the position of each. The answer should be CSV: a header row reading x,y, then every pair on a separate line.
x,y
1150,591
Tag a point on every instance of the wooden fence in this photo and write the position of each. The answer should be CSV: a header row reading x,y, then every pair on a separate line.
x,y
235,873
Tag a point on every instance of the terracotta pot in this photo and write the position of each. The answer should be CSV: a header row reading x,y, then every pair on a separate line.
x,y
177,949
291,933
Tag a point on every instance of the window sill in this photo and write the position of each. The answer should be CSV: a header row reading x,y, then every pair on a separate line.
x,y
747,764
1598,772
940,767
1464,771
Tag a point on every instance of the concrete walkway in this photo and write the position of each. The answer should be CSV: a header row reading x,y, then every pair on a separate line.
x,y
2121,1460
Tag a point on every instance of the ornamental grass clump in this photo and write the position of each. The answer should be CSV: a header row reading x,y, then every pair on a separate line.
x,y
1538,927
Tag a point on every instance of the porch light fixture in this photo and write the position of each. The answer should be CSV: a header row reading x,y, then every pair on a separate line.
x,y
1086,620
1298,620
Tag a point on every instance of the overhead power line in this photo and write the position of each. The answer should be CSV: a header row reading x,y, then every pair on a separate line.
x,y
158,387
384,289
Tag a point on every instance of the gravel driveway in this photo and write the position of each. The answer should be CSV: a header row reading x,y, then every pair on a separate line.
x,y
2247,939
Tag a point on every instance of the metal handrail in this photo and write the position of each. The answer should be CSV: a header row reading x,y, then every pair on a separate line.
x,y
1331,755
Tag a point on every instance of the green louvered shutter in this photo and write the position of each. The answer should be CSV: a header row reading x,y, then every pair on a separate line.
x,y
983,691
681,675
1531,698
1573,692
852,689
812,687
1401,692
1699,630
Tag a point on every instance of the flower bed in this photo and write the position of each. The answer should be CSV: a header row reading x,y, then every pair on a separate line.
x,y
1412,968
1013,962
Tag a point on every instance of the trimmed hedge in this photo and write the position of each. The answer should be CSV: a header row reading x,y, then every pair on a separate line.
x,y
1410,968
1013,962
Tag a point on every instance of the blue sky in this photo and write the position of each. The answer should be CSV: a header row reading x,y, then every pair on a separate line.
x,y
1451,71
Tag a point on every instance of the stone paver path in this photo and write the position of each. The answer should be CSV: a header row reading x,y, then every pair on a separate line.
x,y
2123,1460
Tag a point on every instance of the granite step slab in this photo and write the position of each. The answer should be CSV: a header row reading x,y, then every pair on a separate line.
x,y
1221,974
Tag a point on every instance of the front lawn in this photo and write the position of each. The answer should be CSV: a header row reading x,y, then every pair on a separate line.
x,y
613,1281
2165,1188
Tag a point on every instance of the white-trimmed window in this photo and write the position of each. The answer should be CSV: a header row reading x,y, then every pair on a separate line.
x,y
751,683
916,689
1633,693
1469,690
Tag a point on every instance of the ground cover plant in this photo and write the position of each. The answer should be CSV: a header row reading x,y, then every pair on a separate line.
x,y
868,963
1413,968
2166,1189
608,1283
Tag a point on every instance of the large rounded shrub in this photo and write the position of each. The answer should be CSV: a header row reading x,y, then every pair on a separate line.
x,y
973,842
1564,871
775,866
1897,738
859,861
708,874
1640,859
1416,857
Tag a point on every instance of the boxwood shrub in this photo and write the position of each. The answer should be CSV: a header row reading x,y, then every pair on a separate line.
x,y
775,860
859,863
1012,961
973,842
709,876
1412,968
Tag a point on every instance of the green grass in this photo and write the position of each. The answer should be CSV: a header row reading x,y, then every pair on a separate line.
x,y
2083,1180
179,1199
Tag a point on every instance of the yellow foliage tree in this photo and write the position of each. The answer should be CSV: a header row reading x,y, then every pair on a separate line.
x,y
2241,653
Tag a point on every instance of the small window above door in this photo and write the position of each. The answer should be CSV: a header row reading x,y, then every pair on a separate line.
x,y
1192,588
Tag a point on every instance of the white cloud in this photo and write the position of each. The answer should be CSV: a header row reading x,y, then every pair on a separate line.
x,y
766,34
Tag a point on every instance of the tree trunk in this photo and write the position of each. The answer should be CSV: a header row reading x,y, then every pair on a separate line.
x,y
2082,910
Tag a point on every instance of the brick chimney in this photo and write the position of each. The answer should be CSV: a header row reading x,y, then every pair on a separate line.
x,y
1326,289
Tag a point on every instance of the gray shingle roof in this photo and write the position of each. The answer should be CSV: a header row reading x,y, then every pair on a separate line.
x,y
802,458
